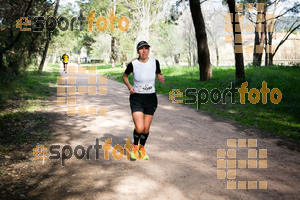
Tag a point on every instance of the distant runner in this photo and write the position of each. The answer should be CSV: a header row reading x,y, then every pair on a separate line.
x,y
65,59
143,99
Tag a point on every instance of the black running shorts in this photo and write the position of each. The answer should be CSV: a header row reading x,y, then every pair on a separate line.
x,y
146,103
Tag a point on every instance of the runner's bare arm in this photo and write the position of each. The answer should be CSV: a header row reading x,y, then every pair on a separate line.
x,y
126,81
160,77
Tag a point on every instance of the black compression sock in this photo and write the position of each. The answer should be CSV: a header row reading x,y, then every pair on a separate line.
x,y
136,137
144,137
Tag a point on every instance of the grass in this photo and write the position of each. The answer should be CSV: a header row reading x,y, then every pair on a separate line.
x,y
30,90
20,98
282,119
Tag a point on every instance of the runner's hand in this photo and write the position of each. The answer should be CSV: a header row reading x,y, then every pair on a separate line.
x,y
161,78
131,90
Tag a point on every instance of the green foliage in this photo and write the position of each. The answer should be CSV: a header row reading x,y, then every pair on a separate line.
x,y
20,48
169,40
30,86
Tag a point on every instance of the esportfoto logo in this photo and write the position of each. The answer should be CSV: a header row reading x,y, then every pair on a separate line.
x,y
202,96
66,152
39,23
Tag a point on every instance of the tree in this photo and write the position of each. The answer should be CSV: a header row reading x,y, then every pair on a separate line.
x,y
169,41
67,40
188,35
260,29
288,33
107,8
201,37
48,41
238,53
294,26
144,14
20,48
264,29
8,35
259,38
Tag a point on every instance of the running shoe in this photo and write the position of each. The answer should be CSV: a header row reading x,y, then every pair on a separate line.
x,y
143,154
134,152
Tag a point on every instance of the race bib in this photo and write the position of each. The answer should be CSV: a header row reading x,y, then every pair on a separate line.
x,y
145,88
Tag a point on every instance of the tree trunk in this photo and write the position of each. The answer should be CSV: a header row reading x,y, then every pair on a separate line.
x,y
270,54
54,59
176,58
216,46
173,63
266,42
270,59
194,59
1,62
239,59
47,42
189,57
217,53
44,53
113,54
201,37
258,41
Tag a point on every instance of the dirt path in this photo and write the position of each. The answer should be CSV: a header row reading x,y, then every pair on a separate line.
x,y
182,147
